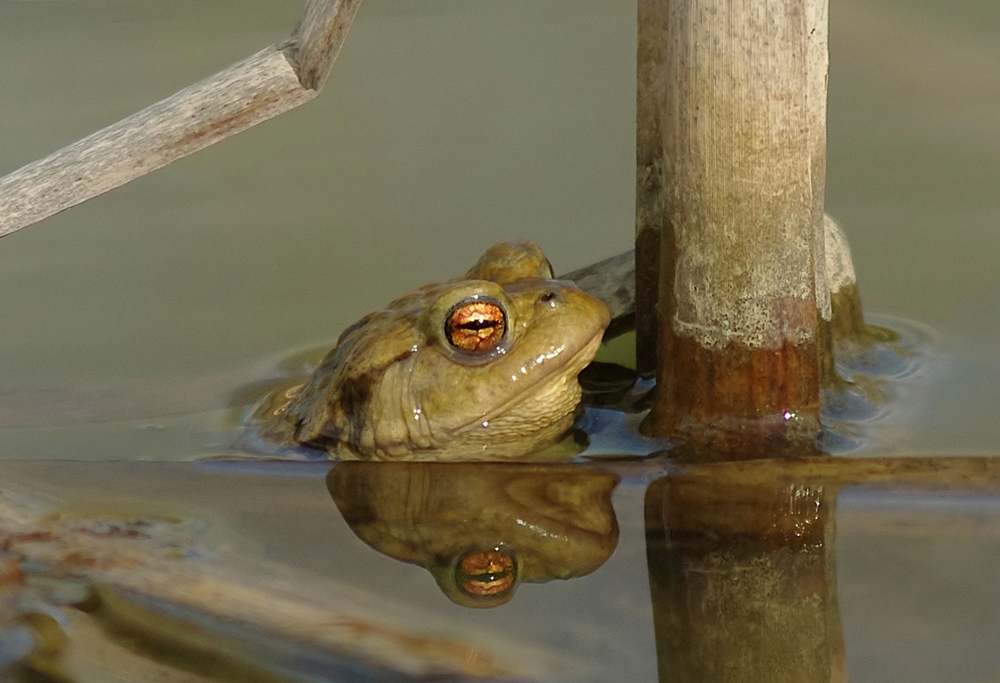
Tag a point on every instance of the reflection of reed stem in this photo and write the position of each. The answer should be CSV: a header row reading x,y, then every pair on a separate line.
x,y
742,582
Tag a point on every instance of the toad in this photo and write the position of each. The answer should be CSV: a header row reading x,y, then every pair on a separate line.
x,y
482,367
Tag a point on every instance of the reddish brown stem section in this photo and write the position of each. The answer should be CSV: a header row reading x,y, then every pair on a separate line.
x,y
738,402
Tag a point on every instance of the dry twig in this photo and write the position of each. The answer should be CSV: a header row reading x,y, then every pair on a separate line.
x,y
276,79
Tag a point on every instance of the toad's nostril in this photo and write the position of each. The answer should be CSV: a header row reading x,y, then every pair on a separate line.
x,y
548,296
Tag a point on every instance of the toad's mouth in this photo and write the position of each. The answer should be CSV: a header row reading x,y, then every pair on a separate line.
x,y
563,367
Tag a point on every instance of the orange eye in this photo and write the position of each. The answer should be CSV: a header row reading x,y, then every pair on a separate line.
x,y
484,573
476,326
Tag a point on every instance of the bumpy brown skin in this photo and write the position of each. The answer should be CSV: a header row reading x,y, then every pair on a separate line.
x,y
395,388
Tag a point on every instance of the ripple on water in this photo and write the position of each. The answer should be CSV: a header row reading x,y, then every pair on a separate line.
x,y
880,384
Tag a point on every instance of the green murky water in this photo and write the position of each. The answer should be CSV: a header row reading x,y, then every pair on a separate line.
x,y
129,322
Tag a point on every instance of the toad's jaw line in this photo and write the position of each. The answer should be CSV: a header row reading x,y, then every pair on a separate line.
x,y
589,349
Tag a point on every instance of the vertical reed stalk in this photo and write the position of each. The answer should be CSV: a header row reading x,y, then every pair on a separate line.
x,y
734,93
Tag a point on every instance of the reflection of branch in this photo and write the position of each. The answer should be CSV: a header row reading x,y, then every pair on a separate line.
x,y
943,472
276,79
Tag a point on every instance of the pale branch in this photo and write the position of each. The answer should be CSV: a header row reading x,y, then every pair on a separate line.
x,y
262,86
276,79
318,38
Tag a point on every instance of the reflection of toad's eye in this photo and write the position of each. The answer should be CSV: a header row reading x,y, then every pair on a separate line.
x,y
484,573
476,326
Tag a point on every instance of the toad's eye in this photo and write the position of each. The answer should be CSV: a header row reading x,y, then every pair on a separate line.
x,y
476,326
486,573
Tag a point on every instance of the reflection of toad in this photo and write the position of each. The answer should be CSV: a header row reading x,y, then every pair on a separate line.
x,y
481,528
482,367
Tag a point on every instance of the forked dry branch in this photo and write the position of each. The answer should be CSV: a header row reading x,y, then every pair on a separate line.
x,y
270,82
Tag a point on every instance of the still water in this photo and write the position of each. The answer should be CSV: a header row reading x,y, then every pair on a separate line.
x,y
130,322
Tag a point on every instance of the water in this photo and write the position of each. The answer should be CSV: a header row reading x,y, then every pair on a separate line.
x,y
130,321
912,174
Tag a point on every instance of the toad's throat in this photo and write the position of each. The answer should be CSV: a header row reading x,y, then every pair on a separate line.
x,y
563,369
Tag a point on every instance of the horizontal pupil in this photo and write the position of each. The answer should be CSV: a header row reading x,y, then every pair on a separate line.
x,y
477,325
492,576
